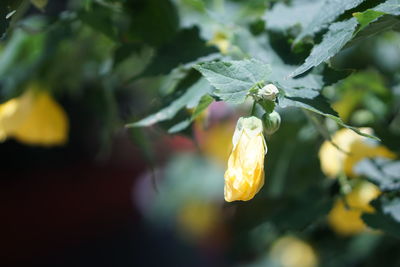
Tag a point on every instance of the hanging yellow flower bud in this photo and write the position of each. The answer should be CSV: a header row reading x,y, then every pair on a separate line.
x,y
354,148
245,174
34,118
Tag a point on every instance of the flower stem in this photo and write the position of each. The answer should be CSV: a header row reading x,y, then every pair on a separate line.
x,y
253,109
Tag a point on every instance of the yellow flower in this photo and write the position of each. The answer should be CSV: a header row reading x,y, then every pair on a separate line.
x,y
13,113
40,4
354,148
215,141
290,251
34,118
245,174
346,220
221,41
197,218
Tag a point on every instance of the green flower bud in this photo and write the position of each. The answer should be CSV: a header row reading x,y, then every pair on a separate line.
x,y
271,122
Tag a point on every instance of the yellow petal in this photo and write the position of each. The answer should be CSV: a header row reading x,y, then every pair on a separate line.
x,y
221,41
34,118
14,112
244,176
46,124
331,159
290,251
216,143
197,218
347,220
353,149
348,103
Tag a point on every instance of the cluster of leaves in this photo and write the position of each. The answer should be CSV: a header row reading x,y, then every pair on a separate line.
x,y
191,53
292,51
232,79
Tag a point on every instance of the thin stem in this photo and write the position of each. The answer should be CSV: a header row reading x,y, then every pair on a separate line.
x,y
345,188
253,109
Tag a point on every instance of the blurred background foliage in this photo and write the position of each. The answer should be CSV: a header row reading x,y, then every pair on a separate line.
x,y
74,73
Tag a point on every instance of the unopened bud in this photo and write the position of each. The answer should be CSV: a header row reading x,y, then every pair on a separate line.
x,y
244,176
268,92
272,122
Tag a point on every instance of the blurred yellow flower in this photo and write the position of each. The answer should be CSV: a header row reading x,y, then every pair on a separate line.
x,y
346,220
216,141
13,113
348,102
221,41
354,148
245,174
290,251
34,118
197,218
40,4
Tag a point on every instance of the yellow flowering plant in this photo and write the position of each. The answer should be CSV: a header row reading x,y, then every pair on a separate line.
x,y
167,65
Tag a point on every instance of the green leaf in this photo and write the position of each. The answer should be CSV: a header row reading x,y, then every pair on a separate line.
x,y
382,24
180,126
342,32
386,216
279,76
189,100
259,47
309,99
196,14
101,22
204,102
198,5
338,35
375,26
17,63
384,173
8,8
391,7
256,46
312,100
233,79
365,18
124,51
152,21
283,17
187,47
329,11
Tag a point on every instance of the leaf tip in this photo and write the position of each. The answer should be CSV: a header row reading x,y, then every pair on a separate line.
x,y
130,125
